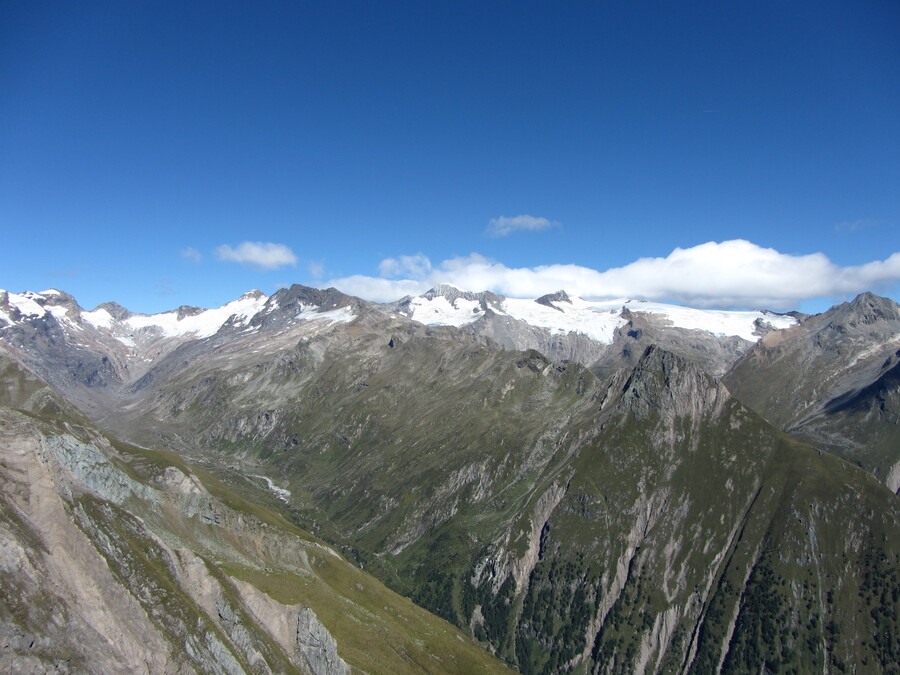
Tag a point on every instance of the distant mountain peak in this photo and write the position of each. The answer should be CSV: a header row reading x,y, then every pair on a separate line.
x,y
447,288
868,308
453,293
115,310
865,313
53,296
297,294
188,310
31,305
254,294
290,304
550,298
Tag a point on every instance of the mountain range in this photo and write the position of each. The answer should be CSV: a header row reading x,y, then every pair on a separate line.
x,y
578,486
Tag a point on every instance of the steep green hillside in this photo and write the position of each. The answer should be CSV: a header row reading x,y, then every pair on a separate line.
x,y
646,522
116,558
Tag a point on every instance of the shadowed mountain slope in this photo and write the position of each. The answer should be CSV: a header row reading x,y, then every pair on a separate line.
x,y
832,381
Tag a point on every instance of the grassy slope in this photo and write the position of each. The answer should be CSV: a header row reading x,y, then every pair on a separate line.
x,y
377,631
428,459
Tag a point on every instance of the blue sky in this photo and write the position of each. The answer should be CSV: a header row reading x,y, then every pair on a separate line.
x,y
731,154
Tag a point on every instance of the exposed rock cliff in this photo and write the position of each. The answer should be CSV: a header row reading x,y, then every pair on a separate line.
x,y
833,381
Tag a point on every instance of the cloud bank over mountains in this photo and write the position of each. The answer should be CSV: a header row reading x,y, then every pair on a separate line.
x,y
728,274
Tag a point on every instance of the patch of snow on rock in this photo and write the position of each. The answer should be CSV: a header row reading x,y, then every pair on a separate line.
x,y
598,321
99,318
741,323
342,315
26,303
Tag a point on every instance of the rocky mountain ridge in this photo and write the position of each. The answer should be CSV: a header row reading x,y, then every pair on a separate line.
x,y
100,356
832,380
112,345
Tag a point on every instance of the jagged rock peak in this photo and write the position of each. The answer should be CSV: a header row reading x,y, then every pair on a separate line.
x,y
452,293
657,360
291,298
670,384
255,294
116,311
550,298
868,308
53,296
188,310
865,313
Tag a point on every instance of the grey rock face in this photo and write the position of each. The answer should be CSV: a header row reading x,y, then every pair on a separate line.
x,y
514,334
715,354
106,574
318,646
832,381
551,298
663,383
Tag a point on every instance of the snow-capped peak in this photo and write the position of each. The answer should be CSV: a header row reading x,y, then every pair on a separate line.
x,y
201,322
25,304
113,321
598,320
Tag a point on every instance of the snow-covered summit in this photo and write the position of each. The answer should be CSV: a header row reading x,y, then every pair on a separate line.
x,y
446,305
201,322
598,320
15,307
111,320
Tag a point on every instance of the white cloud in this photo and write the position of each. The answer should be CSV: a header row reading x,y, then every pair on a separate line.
x,y
417,266
192,254
265,255
734,273
502,226
378,290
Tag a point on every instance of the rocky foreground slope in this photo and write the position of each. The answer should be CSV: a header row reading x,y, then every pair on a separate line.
x,y
623,512
120,559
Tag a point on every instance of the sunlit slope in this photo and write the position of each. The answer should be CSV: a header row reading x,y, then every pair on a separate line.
x,y
117,557
647,521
